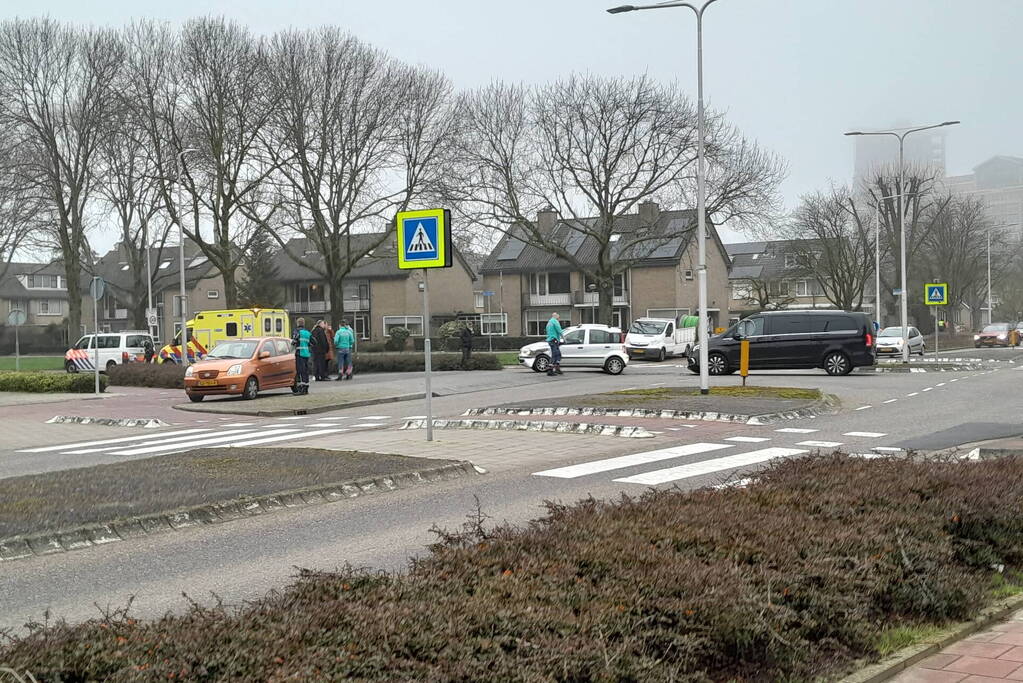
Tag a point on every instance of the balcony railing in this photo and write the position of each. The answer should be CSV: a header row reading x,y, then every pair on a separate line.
x,y
593,298
546,300
353,305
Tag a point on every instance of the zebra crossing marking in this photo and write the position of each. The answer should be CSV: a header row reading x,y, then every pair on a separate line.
x,y
697,469
796,430
200,443
820,444
620,462
282,437
866,435
748,439
47,449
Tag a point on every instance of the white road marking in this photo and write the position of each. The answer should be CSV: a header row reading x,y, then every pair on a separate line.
x,y
888,449
709,466
155,439
940,384
737,484
46,449
199,443
581,470
375,417
239,424
297,417
796,430
339,417
866,435
414,417
864,407
957,379
891,400
915,393
283,437
748,439
820,444
929,389
369,424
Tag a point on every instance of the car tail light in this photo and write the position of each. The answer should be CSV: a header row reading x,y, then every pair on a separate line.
x,y
124,356
870,339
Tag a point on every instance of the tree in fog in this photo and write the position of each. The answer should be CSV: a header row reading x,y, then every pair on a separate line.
x,y
834,244
588,146
356,137
57,97
260,285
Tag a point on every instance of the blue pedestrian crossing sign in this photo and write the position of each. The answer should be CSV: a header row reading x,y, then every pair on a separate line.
x,y
424,239
936,294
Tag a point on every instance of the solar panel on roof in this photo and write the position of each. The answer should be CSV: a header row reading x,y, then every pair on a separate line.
x,y
667,249
573,241
512,248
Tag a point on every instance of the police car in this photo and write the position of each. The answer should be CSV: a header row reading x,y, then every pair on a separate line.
x,y
113,348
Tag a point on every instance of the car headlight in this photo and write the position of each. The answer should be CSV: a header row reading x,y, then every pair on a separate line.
x,y
190,371
526,352
235,369
1002,336
976,337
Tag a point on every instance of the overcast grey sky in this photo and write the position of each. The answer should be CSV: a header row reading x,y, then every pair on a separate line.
x,y
794,74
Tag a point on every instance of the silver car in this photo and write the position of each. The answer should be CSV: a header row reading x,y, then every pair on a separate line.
x,y
889,342
593,346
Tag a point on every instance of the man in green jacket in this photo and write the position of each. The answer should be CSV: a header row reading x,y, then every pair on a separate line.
x,y
344,342
300,339
554,335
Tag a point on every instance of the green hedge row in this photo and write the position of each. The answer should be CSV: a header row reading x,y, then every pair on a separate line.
x,y
162,375
795,578
51,382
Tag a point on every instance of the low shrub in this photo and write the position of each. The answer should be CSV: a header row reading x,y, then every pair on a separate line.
x,y
414,362
51,382
478,342
792,578
162,375
396,339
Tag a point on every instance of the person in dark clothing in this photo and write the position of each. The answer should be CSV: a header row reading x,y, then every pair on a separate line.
x,y
466,335
300,339
320,348
149,350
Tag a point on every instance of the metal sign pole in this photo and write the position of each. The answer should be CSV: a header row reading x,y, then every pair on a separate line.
x,y
427,353
95,337
490,322
935,331
17,350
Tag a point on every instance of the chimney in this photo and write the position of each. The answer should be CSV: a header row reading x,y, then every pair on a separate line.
x,y
649,211
546,218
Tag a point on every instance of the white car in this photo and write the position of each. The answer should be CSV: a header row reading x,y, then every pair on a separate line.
x,y
114,348
889,342
658,338
589,346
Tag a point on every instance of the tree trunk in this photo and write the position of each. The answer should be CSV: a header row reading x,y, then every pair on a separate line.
x,y
605,302
230,287
72,274
337,303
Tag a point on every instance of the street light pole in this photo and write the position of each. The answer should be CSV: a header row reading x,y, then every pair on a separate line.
x,y
701,219
900,135
877,258
181,262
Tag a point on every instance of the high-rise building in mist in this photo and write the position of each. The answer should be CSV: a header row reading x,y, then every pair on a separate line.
x,y
999,183
926,148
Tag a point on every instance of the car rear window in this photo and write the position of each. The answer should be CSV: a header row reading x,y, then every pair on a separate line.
x,y
602,337
110,341
789,323
136,341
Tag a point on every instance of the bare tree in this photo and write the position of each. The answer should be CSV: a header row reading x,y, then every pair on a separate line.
x,y
834,244
594,148
356,137
56,93
762,294
18,203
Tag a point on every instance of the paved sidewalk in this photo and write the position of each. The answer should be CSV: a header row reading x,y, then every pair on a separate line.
x,y
992,655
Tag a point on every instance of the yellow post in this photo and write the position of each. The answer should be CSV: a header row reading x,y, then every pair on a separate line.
x,y
744,359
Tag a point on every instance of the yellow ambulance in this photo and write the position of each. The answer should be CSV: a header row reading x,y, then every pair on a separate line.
x,y
209,328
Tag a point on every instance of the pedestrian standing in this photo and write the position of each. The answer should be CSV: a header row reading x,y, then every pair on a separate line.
x,y
466,335
148,349
320,344
554,337
344,342
330,347
301,341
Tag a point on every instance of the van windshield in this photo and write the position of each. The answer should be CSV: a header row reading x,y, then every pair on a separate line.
x,y
234,349
646,327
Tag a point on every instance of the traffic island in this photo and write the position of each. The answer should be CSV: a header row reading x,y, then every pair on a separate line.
x,y
819,567
79,508
746,405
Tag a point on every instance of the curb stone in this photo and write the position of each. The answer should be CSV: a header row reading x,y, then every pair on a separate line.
x,y
818,407
597,429
46,543
312,410
145,422
899,661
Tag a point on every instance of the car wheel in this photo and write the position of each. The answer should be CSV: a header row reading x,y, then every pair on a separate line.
x,y
541,364
110,364
717,364
837,363
195,398
661,356
614,365
251,389
167,361
71,368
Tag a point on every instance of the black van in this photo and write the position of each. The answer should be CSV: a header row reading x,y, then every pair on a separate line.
x,y
837,341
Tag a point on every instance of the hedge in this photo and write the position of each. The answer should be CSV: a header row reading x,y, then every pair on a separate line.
x,y
51,382
161,375
794,578
34,339
478,342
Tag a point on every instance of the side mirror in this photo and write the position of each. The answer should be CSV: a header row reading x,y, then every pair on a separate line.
x,y
263,355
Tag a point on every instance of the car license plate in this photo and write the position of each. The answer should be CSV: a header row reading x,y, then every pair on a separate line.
x,y
638,351
207,382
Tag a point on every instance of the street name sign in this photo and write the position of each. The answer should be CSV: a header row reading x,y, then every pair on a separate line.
x,y
936,294
424,239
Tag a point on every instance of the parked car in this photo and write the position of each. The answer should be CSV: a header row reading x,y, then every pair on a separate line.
x,y
243,367
658,338
996,334
889,341
114,348
837,341
588,346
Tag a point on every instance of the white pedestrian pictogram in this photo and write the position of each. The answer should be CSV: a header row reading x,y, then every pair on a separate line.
x,y
936,294
420,241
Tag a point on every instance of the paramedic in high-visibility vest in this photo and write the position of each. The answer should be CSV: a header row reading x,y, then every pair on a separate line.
x,y
300,340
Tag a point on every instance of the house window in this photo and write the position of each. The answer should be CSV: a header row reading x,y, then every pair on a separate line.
x,y
16,305
791,260
779,288
307,292
413,323
213,294
741,292
550,283
44,282
494,324
808,288
619,286
479,300
536,322
50,307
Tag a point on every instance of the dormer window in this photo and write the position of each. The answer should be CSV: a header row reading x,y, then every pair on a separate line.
x,y
164,265
790,260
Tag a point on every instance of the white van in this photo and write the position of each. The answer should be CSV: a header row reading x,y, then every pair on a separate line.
x,y
114,348
658,338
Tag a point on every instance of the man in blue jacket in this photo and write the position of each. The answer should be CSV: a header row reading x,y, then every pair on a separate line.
x,y
300,339
554,335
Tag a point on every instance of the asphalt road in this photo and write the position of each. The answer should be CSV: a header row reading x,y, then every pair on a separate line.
x,y
244,559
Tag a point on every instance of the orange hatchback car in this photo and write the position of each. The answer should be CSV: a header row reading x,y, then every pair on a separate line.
x,y
242,367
